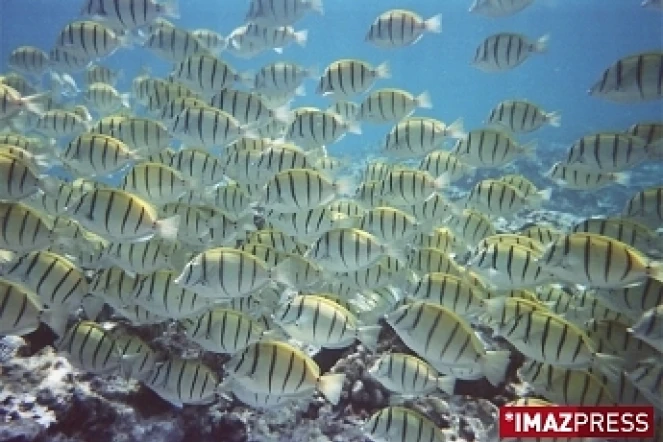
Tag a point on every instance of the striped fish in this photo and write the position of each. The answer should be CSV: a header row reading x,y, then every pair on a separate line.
x,y
276,13
398,28
450,291
54,278
499,199
415,136
211,40
388,271
20,309
224,273
64,61
499,8
159,294
141,257
114,286
389,224
311,223
155,182
345,78
522,116
91,348
59,123
579,177
445,340
183,381
23,229
29,60
430,260
648,328
500,310
399,424
566,387
505,51
206,74
598,261
408,375
506,266
611,151
646,206
647,378
206,126
89,40
347,250
470,226
648,131
174,44
129,14
302,189
613,337
633,301
102,74
277,368
313,128
198,165
391,105
490,148
105,99
143,358
120,216
632,79
222,330
97,155
281,77
247,107
546,337
321,322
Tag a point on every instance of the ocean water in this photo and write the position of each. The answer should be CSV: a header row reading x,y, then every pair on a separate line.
x,y
586,36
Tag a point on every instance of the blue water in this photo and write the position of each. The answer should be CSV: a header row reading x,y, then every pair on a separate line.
x,y
586,37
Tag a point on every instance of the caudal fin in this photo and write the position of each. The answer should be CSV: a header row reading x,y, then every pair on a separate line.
x,y
368,335
331,386
167,228
494,365
434,24
446,384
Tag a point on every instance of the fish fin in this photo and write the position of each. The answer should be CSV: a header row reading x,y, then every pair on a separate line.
x,y
383,71
455,129
331,386
316,6
446,384
423,100
494,365
369,335
529,149
554,119
345,186
56,318
434,24
171,8
301,37
610,365
283,114
31,103
92,306
541,44
167,228
655,270
621,178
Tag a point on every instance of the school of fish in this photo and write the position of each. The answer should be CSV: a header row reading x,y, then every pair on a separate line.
x,y
204,201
